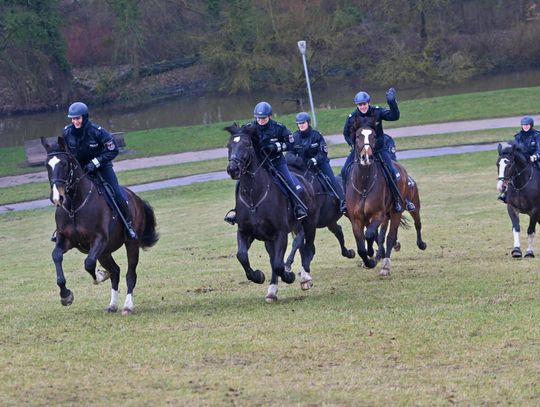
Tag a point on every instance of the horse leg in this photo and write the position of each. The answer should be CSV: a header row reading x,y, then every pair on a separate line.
x,y
66,295
531,233
276,250
336,229
96,250
371,234
358,231
418,226
514,218
391,241
113,269
244,242
307,253
298,242
380,241
132,249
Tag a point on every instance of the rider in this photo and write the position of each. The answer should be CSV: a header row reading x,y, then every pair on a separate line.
x,y
364,116
94,148
528,139
275,139
311,147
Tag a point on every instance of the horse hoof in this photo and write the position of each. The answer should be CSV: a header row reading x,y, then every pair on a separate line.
x,y
101,276
397,246
127,311
270,298
306,285
422,245
112,309
370,263
516,253
529,254
257,277
288,268
384,273
350,254
65,301
288,277
385,269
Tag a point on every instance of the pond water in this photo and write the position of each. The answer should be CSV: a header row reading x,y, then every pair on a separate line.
x,y
181,111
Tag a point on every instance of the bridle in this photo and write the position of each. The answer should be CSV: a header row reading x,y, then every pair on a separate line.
x,y
510,179
243,165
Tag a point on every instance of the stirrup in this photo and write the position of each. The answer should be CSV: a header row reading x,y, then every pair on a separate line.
x,y
343,207
410,206
502,197
230,217
300,213
131,234
397,207
53,237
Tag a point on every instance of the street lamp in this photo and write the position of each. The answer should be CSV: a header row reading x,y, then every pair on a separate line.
x,y
302,48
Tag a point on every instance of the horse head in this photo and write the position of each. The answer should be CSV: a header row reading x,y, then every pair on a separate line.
x,y
62,169
511,162
241,149
364,144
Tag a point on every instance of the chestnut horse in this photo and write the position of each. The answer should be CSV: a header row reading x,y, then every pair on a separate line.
x,y
369,202
85,221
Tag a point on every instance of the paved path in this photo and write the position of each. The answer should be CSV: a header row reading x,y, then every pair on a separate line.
x,y
171,159
216,176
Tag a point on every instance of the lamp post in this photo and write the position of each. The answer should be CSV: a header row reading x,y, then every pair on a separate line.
x,y
302,48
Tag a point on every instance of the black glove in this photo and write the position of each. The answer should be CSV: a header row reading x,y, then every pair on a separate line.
x,y
391,95
272,148
90,167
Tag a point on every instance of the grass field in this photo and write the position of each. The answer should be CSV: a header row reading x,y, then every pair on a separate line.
x,y
456,324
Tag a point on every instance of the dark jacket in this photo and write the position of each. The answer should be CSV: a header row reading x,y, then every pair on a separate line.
x,y
372,118
310,144
89,142
529,141
274,132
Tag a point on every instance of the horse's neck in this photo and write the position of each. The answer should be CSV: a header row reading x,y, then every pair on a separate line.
x,y
364,174
81,187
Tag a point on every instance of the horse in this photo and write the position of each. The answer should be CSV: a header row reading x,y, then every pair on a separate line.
x,y
328,215
264,211
369,201
522,182
85,221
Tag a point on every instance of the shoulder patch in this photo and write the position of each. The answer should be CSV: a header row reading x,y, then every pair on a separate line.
x,y
110,145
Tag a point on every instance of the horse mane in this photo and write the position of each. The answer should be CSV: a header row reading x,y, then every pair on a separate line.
x,y
248,130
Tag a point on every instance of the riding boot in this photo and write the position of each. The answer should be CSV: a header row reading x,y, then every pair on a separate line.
x,y
230,217
131,233
299,212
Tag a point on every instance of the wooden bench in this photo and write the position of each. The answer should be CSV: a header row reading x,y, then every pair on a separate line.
x,y
36,154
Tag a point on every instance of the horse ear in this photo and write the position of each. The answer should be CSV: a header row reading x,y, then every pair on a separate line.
x,y
499,148
44,143
62,143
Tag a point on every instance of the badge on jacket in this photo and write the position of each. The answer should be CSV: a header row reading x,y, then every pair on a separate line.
x,y
110,145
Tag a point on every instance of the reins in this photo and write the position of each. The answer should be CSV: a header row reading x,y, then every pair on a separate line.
x,y
511,179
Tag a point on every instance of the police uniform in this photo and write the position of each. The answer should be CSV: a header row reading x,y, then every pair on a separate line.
x,y
310,144
529,142
276,134
92,143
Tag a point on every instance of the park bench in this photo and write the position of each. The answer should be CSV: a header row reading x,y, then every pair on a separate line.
x,y
36,154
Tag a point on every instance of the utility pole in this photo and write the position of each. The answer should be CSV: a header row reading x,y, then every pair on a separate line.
x,y
302,48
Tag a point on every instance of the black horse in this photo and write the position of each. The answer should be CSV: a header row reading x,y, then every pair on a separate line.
x,y
522,181
85,221
264,212
328,215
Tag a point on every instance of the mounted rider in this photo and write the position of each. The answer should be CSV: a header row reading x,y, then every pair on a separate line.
x,y
528,139
366,115
95,148
310,146
275,139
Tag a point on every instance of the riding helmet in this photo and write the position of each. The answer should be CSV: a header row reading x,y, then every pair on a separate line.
x,y
262,109
527,120
303,117
77,109
362,97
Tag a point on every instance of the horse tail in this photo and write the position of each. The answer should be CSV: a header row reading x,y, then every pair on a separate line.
x,y
149,236
404,223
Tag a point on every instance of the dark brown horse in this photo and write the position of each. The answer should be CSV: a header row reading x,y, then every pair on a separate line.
x,y
329,213
85,221
369,201
522,181
264,212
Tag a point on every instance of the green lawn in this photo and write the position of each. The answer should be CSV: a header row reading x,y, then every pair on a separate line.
x,y
500,103
455,324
